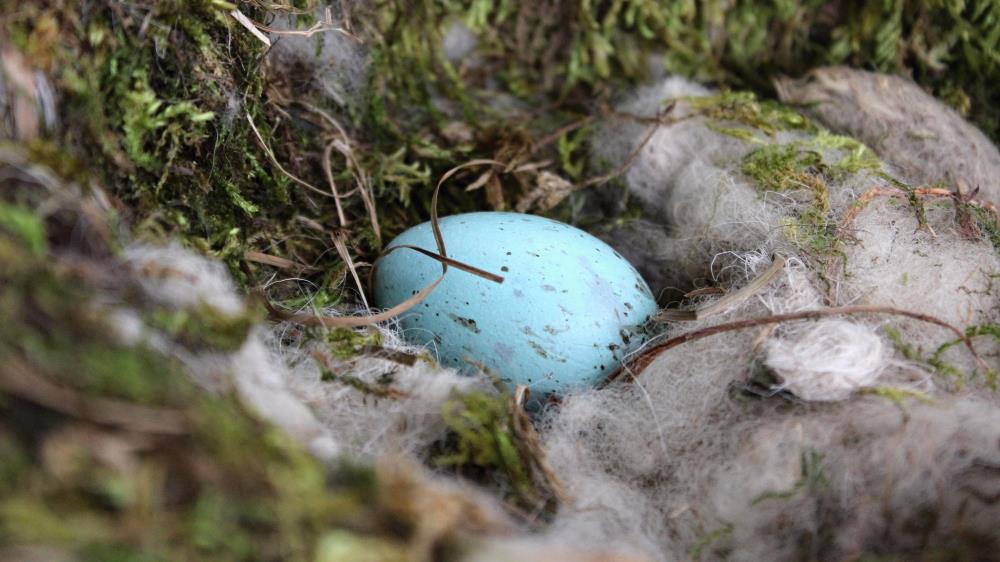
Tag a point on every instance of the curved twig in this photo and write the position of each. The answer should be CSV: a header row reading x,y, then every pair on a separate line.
x,y
636,366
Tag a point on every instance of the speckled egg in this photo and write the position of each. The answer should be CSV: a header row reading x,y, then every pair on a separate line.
x,y
568,310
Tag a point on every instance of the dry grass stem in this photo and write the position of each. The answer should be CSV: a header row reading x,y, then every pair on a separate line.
x,y
729,301
341,246
274,160
441,256
276,261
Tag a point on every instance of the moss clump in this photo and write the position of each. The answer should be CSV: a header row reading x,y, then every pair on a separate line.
x,y
975,331
484,444
985,222
797,166
25,227
345,343
744,108
807,164
781,167
152,104
708,540
935,363
155,101
898,396
204,327
219,484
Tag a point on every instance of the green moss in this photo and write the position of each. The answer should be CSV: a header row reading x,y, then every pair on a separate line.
x,y
255,494
745,108
986,223
483,441
806,164
345,343
159,113
975,331
856,156
569,46
707,540
213,482
935,363
343,545
798,166
378,389
898,396
204,327
25,226
812,478
780,167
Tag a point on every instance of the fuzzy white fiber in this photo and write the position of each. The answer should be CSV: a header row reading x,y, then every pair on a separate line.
x,y
369,427
827,360
276,374
458,42
175,277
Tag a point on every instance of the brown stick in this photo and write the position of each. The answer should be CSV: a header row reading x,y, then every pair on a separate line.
x,y
636,366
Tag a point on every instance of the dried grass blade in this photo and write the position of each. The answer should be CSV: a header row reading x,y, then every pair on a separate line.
x,y
729,301
274,160
480,181
250,26
276,261
354,321
368,199
341,246
357,321
437,189
328,170
454,263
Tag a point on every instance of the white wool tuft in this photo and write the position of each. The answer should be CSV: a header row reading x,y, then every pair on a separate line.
x,y
827,360
276,374
368,426
176,277
459,41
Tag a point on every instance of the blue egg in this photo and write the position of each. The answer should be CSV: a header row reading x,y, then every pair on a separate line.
x,y
567,312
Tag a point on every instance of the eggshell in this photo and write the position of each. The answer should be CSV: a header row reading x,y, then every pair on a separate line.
x,y
568,310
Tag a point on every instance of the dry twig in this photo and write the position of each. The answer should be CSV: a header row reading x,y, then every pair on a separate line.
x,y
636,366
